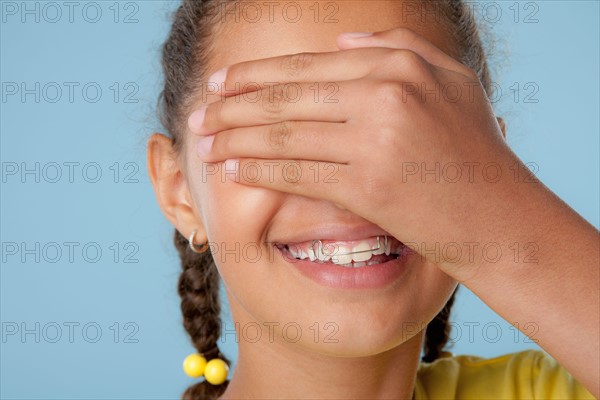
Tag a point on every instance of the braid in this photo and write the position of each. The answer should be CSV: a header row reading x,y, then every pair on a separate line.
x,y
184,59
437,332
199,290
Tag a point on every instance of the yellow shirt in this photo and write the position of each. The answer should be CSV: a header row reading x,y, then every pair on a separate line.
x,y
529,374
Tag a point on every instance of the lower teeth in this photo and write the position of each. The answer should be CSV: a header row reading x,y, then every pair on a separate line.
x,y
358,264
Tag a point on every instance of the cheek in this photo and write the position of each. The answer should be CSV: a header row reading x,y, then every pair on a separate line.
x,y
236,218
231,212
234,212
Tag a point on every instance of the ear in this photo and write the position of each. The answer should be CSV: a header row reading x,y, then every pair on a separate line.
x,y
502,126
171,188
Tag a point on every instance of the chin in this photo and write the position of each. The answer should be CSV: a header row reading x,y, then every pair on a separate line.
x,y
358,329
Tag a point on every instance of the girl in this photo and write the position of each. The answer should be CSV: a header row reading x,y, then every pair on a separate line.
x,y
298,153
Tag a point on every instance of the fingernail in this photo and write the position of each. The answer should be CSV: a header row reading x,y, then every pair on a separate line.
x,y
232,166
218,78
196,119
204,145
355,35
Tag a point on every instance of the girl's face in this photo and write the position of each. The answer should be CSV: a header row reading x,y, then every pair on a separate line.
x,y
266,289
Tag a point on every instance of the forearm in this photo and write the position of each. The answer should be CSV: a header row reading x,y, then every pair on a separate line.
x,y
558,293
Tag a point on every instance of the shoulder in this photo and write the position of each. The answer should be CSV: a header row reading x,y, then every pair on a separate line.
x,y
528,374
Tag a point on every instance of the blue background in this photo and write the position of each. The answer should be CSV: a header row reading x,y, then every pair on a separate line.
x,y
139,350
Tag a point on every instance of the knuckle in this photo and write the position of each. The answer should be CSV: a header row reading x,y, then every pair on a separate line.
x,y
275,101
406,36
411,58
410,61
373,188
278,136
383,193
389,94
296,64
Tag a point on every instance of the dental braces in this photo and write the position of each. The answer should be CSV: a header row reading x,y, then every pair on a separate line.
x,y
322,247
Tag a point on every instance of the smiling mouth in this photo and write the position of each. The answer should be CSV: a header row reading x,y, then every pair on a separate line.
x,y
350,254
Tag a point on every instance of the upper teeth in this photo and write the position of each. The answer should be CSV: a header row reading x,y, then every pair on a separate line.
x,y
343,253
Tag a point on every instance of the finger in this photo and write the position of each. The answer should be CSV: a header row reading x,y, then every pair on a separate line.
x,y
292,101
301,67
319,180
304,140
404,38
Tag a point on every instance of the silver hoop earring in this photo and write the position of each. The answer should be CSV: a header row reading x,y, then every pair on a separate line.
x,y
193,246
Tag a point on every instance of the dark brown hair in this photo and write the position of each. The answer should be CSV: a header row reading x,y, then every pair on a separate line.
x,y
184,60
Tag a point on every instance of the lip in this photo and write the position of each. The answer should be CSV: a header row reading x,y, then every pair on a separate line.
x,y
339,232
335,276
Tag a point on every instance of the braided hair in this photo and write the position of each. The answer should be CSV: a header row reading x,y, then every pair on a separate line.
x,y
185,56
198,288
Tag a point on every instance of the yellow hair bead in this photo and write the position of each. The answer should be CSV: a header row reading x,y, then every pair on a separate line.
x,y
216,371
194,365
